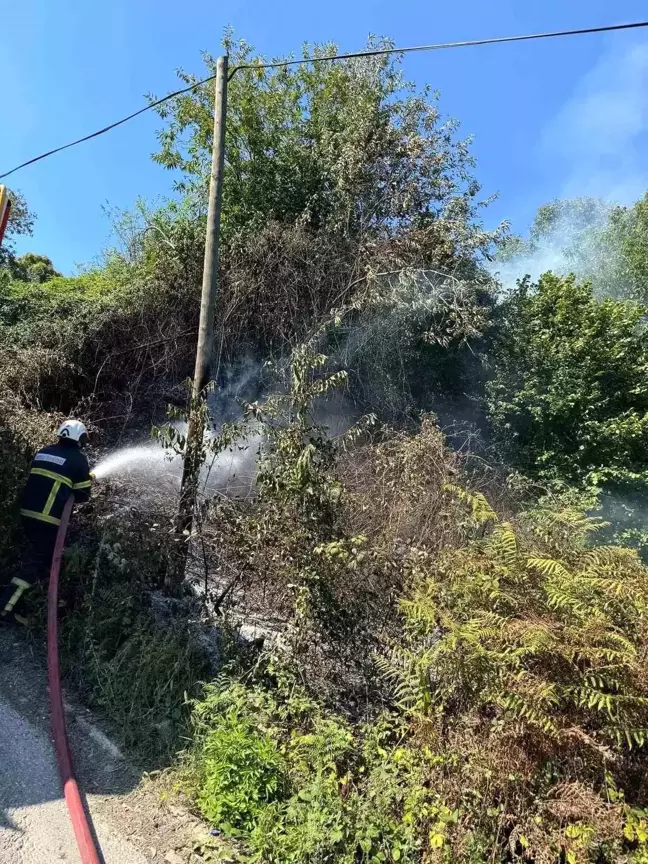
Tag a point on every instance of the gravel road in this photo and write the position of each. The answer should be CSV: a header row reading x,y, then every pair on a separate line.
x,y
34,825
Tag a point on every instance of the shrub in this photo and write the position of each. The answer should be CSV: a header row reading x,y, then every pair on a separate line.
x,y
523,669
22,432
299,784
137,669
569,396
106,341
241,769
512,727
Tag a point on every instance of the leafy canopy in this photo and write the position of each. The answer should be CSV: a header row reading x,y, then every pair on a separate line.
x,y
604,244
21,222
569,395
349,147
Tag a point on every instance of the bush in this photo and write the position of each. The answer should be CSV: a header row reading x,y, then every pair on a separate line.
x,y
138,670
298,784
569,397
522,668
110,341
22,432
512,727
241,769
569,401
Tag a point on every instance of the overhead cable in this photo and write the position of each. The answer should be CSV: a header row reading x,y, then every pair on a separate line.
x,y
497,40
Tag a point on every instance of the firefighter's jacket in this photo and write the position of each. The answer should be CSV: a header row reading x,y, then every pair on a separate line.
x,y
56,473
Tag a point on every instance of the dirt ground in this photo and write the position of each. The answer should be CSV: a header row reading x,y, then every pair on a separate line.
x,y
136,819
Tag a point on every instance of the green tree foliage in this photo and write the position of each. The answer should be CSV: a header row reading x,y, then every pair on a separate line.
x,y
625,240
600,243
32,268
64,340
347,148
344,188
337,175
29,267
560,227
569,393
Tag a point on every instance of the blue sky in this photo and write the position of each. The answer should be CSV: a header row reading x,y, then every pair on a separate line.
x,y
550,118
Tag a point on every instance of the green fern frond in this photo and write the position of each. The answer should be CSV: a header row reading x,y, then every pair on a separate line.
x,y
528,713
407,673
550,568
631,737
609,556
597,656
560,600
592,640
503,544
420,611
588,697
482,627
614,587
532,635
480,509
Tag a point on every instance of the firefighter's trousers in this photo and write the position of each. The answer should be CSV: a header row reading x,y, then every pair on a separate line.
x,y
35,563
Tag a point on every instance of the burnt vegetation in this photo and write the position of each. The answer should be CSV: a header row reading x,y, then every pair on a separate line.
x,y
421,634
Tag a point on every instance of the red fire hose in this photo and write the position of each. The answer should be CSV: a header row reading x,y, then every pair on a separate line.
x,y
85,842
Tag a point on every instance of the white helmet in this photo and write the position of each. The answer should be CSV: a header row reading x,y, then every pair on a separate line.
x,y
73,429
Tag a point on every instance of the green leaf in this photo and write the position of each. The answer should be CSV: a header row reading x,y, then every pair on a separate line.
x,y
436,840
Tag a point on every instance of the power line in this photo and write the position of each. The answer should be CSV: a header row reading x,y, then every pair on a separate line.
x,y
498,40
469,44
108,128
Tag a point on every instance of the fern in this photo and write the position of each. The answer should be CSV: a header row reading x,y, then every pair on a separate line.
x,y
549,567
609,556
526,712
503,544
407,674
480,509
543,642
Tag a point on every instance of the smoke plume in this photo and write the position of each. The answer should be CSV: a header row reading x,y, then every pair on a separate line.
x,y
598,141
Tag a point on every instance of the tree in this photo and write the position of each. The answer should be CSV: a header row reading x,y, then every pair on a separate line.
x,y
569,220
564,238
600,243
625,239
569,395
33,268
29,267
340,178
348,147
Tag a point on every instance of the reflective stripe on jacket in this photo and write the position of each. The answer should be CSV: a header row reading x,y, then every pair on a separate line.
x,y
57,472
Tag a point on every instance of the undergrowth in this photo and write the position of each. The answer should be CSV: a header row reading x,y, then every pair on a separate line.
x,y
450,685
455,667
512,726
137,669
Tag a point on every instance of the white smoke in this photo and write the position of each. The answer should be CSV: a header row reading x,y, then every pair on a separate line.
x,y
598,141
551,253
155,472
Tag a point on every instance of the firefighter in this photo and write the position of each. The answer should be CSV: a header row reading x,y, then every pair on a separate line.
x,y
57,472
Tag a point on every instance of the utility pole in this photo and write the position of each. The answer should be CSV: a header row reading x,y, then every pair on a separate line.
x,y
204,351
5,210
